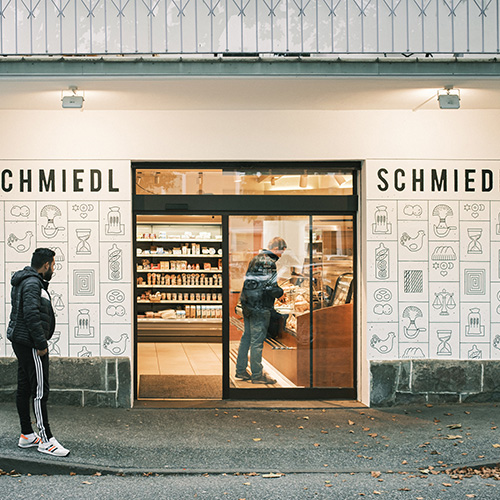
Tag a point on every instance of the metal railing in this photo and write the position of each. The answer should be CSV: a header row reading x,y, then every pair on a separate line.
x,y
83,27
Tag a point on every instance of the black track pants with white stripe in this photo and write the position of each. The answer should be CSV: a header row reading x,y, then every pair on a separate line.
x,y
32,382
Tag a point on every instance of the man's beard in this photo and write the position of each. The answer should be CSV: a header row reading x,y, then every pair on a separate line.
x,y
47,275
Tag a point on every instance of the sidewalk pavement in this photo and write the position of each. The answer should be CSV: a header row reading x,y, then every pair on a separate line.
x,y
194,441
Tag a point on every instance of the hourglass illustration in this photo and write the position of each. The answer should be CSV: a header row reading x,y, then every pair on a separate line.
x,y
474,246
83,247
444,348
83,328
444,301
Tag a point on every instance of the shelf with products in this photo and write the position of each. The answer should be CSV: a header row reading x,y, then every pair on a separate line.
x,y
178,279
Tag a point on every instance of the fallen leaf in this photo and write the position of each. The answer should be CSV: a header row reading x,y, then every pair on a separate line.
x,y
257,439
301,426
376,492
429,406
316,444
328,485
376,473
496,445
454,426
86,482
324,432
404,489
246,484
470,495
350,422
305,418
366,429
448,485
272,475
453,437
72,473
373,434
404,462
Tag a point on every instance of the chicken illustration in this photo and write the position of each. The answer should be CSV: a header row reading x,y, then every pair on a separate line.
x,y
413,244
20,245
116,347
383,345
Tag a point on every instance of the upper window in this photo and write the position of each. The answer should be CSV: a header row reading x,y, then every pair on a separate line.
x,y
266,181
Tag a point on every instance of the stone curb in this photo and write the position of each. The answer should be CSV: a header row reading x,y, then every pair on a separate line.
x,y
61,467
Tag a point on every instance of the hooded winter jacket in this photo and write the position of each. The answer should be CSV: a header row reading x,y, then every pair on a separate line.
x,y
32,320
260,287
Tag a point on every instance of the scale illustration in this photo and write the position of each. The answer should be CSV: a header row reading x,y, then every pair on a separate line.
x,y
444,301
444,347
50,230
114,224
382,262
83,328
20,245
443,257
83,247
57,301
475,353
383,345
381,224
474,246
412,313
442,229
413,243
474,326
115,347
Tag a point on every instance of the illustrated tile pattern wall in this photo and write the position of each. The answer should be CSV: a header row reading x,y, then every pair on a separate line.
x,y
91,287
433,278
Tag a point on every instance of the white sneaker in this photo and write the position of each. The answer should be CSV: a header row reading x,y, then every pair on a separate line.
x,y
28,441
54,448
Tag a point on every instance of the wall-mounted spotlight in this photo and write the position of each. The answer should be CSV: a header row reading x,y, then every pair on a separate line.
x,y
449,98
157,178
73,100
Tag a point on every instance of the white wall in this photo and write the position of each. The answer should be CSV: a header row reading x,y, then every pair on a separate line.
x,y
253,135
296,135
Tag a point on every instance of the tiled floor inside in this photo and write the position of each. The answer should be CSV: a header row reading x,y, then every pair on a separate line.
x,y
193,358
179,358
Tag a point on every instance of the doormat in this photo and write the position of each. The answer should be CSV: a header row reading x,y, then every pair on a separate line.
x,y
180,386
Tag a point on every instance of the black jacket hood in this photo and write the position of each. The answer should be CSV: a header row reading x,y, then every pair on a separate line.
x,y
27,272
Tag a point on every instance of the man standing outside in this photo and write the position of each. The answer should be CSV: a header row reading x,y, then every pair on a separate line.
x,y
260,289
31,325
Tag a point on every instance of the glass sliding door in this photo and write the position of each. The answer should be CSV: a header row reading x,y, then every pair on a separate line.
x,y
291,302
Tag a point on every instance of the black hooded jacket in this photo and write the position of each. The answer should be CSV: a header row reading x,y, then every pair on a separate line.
x,y
32,320
260,287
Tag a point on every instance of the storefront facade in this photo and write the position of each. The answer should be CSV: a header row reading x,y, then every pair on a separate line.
x,y
417,232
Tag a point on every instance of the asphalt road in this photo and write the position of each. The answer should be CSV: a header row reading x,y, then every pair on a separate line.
x,y
230,487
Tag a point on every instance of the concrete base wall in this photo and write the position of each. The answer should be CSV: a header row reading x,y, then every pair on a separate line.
x,y
433,381
102,382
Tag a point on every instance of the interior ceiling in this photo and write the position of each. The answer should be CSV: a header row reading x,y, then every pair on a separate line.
x,y
249,94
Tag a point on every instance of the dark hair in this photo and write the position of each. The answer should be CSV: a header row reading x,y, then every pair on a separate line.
x,y
41,256
277,243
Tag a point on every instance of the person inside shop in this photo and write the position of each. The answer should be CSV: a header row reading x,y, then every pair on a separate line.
x,y
32,324
260,289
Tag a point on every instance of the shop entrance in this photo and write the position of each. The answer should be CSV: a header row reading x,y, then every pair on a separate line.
x,y
249,295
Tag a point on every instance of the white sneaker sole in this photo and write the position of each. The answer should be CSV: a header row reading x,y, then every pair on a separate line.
x,y
55,453
32,445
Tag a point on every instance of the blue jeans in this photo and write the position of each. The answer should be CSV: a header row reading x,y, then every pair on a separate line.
x,y
256,325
